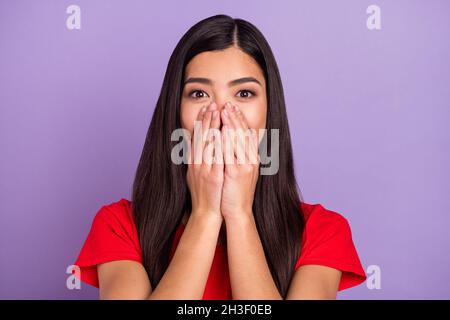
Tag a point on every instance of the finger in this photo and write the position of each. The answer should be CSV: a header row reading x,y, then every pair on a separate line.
x,y
227,147
197,137
253,154
206,123
217,156
215,120
218,153
190,156
215,136
208,153
240,131
226,125
208,147
228,131
239,117
251,148
225,116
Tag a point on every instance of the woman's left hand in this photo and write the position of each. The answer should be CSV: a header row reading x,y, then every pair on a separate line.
x,y
241,159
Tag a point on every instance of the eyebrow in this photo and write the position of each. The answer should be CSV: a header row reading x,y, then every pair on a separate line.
x,y
231,83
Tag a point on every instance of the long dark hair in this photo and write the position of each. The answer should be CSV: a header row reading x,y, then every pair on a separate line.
x,y
160,193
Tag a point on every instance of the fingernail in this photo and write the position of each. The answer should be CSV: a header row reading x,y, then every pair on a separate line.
x,y
235,107
225,112
228,105
203,109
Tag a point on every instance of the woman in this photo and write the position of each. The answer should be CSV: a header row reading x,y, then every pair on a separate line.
x,y
219,229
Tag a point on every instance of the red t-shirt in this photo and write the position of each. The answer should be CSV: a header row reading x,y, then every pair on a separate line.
x,y
326,240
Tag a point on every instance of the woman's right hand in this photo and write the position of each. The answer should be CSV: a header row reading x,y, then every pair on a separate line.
x,y
205,179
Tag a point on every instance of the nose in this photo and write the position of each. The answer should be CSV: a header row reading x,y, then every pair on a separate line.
x,y
221,103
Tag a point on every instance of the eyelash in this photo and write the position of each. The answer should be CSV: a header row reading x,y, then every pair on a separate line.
x,y
196,98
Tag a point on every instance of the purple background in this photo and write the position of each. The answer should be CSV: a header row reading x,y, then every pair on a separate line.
x,y
368,112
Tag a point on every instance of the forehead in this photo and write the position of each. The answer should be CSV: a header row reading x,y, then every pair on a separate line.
x,y
228,64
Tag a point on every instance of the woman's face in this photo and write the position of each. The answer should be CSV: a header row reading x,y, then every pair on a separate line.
x,y
221,76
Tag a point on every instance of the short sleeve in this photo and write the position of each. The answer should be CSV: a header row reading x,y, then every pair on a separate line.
x,y
112,236
327,241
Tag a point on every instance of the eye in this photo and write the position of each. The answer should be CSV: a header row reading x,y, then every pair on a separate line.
x,y
198,94
246,94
